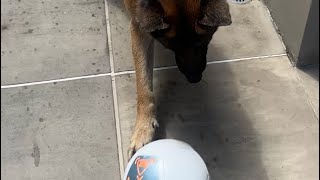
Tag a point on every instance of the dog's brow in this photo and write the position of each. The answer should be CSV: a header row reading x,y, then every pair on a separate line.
x,y
192,7
169,7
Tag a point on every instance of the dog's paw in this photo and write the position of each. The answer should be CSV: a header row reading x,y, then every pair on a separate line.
x,y
142,135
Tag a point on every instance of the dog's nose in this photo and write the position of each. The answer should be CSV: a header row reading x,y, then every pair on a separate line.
x,y
194,78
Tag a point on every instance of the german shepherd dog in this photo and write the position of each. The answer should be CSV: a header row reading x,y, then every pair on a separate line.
x,y
184,26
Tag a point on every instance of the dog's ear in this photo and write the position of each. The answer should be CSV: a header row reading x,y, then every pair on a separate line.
x,y
149,15
216,13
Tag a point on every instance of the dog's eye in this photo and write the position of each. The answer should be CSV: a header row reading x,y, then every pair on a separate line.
x,y
167,33
160,32
201,28
163,31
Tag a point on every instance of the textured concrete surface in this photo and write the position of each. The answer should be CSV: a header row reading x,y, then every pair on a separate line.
x,y
309,78
59,131
249,120
291,21
43,40
298,23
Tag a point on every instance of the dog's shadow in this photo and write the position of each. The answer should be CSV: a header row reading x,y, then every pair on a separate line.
x,y
210,117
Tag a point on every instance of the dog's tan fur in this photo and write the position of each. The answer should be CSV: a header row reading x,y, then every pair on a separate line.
x,y
142,50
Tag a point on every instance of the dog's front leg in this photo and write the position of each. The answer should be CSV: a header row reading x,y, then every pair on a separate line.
x,y
142,50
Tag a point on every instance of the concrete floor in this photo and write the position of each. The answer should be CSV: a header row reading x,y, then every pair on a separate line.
x,y
63,116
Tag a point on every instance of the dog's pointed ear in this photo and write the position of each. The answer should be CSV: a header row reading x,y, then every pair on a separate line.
x,y
216,13
149,15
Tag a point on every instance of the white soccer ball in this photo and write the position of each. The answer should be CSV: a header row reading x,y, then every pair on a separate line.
x,y
166,159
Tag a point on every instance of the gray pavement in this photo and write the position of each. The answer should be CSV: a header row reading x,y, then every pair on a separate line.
x,y
67,114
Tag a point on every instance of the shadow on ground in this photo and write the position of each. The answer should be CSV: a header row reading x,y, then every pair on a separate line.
x,y
312,71
209,117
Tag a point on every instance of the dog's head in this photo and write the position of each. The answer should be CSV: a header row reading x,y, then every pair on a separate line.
x,y
184,26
